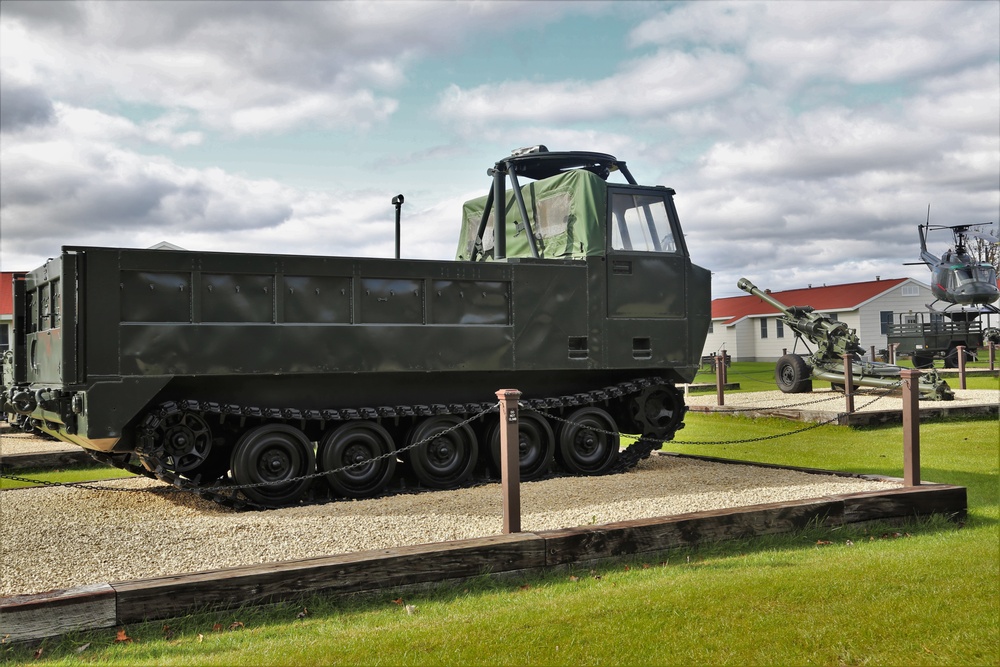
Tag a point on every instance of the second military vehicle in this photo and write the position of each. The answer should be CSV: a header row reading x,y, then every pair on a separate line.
x,y
794,373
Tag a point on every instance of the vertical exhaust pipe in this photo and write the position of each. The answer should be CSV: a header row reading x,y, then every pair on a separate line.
x,y
397,201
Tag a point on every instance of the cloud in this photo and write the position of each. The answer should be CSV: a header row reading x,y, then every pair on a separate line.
x,y
857,42
75,183
24,106
243,67
644,87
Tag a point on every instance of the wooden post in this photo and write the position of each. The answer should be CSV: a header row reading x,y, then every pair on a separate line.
x,y
911,426
720,378
848,383
871,353
993,355
725,369
510,460
891,352
961,366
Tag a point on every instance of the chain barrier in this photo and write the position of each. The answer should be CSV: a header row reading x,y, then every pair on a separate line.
x,y
88,484
748,376
836,418
526,406
240,487
325,473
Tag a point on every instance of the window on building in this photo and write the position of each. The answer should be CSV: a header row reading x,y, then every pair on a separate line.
x,y
885,319
910,290
833,317
4,337
779,329
763,328
711,326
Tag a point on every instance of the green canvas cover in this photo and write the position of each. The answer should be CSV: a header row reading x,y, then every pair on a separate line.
x,y
567,217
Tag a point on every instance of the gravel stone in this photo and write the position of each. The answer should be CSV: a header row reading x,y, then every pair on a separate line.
x,y
63,536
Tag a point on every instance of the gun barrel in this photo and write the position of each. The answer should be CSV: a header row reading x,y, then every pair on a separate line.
x,y
750,288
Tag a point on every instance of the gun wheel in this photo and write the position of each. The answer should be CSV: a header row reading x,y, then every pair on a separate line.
x,y
792,375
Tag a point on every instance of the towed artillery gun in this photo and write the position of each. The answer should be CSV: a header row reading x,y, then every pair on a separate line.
x,y
794,373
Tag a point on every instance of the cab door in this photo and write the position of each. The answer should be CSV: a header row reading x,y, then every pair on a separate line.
x,y
647,268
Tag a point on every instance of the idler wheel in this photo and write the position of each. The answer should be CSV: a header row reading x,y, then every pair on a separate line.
x,y
588,444
357,444
273,454
536,445
448,456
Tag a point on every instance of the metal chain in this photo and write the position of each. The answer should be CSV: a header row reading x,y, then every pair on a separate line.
x,y
835,418
232,489
393,453
80,485
750,377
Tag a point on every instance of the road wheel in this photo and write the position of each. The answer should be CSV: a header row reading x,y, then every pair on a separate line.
x,y
536,445
448,454
588,443
365,446
792,375
923,360
273,454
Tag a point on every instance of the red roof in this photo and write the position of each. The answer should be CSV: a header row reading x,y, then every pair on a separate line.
x,y
834,297
6,293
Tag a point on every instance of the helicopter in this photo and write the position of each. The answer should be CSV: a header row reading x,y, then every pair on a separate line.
x,y
957,278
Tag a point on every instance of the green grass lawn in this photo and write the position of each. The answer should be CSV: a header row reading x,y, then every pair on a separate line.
x,y
924,593
63,476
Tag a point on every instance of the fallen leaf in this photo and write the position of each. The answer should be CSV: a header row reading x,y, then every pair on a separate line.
x,y
38,653
217,627
168,633
81,649
573,577
236,625
122,637
823,543
850,543
524,587
410,609
627,568
398,601
303,613
645,566
201,638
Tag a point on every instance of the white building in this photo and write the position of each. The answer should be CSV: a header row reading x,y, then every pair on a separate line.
x,y
749,329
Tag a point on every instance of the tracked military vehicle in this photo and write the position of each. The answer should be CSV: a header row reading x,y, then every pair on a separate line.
x,y
217,371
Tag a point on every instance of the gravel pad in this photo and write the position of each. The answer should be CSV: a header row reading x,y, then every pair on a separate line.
x,y
62,537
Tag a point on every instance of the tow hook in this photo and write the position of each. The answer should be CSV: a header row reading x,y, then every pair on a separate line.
x,y
24,402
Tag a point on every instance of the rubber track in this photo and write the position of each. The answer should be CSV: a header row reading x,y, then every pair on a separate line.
x,y
153,468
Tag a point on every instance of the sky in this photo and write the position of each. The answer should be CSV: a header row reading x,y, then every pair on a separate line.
x,y
805,140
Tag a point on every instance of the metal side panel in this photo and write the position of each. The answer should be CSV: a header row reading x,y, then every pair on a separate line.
x,y
551,307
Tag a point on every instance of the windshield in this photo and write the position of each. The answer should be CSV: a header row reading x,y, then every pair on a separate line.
x,y
640,223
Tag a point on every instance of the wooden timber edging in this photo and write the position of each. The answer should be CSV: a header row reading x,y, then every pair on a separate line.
x,y
59,458
33,617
